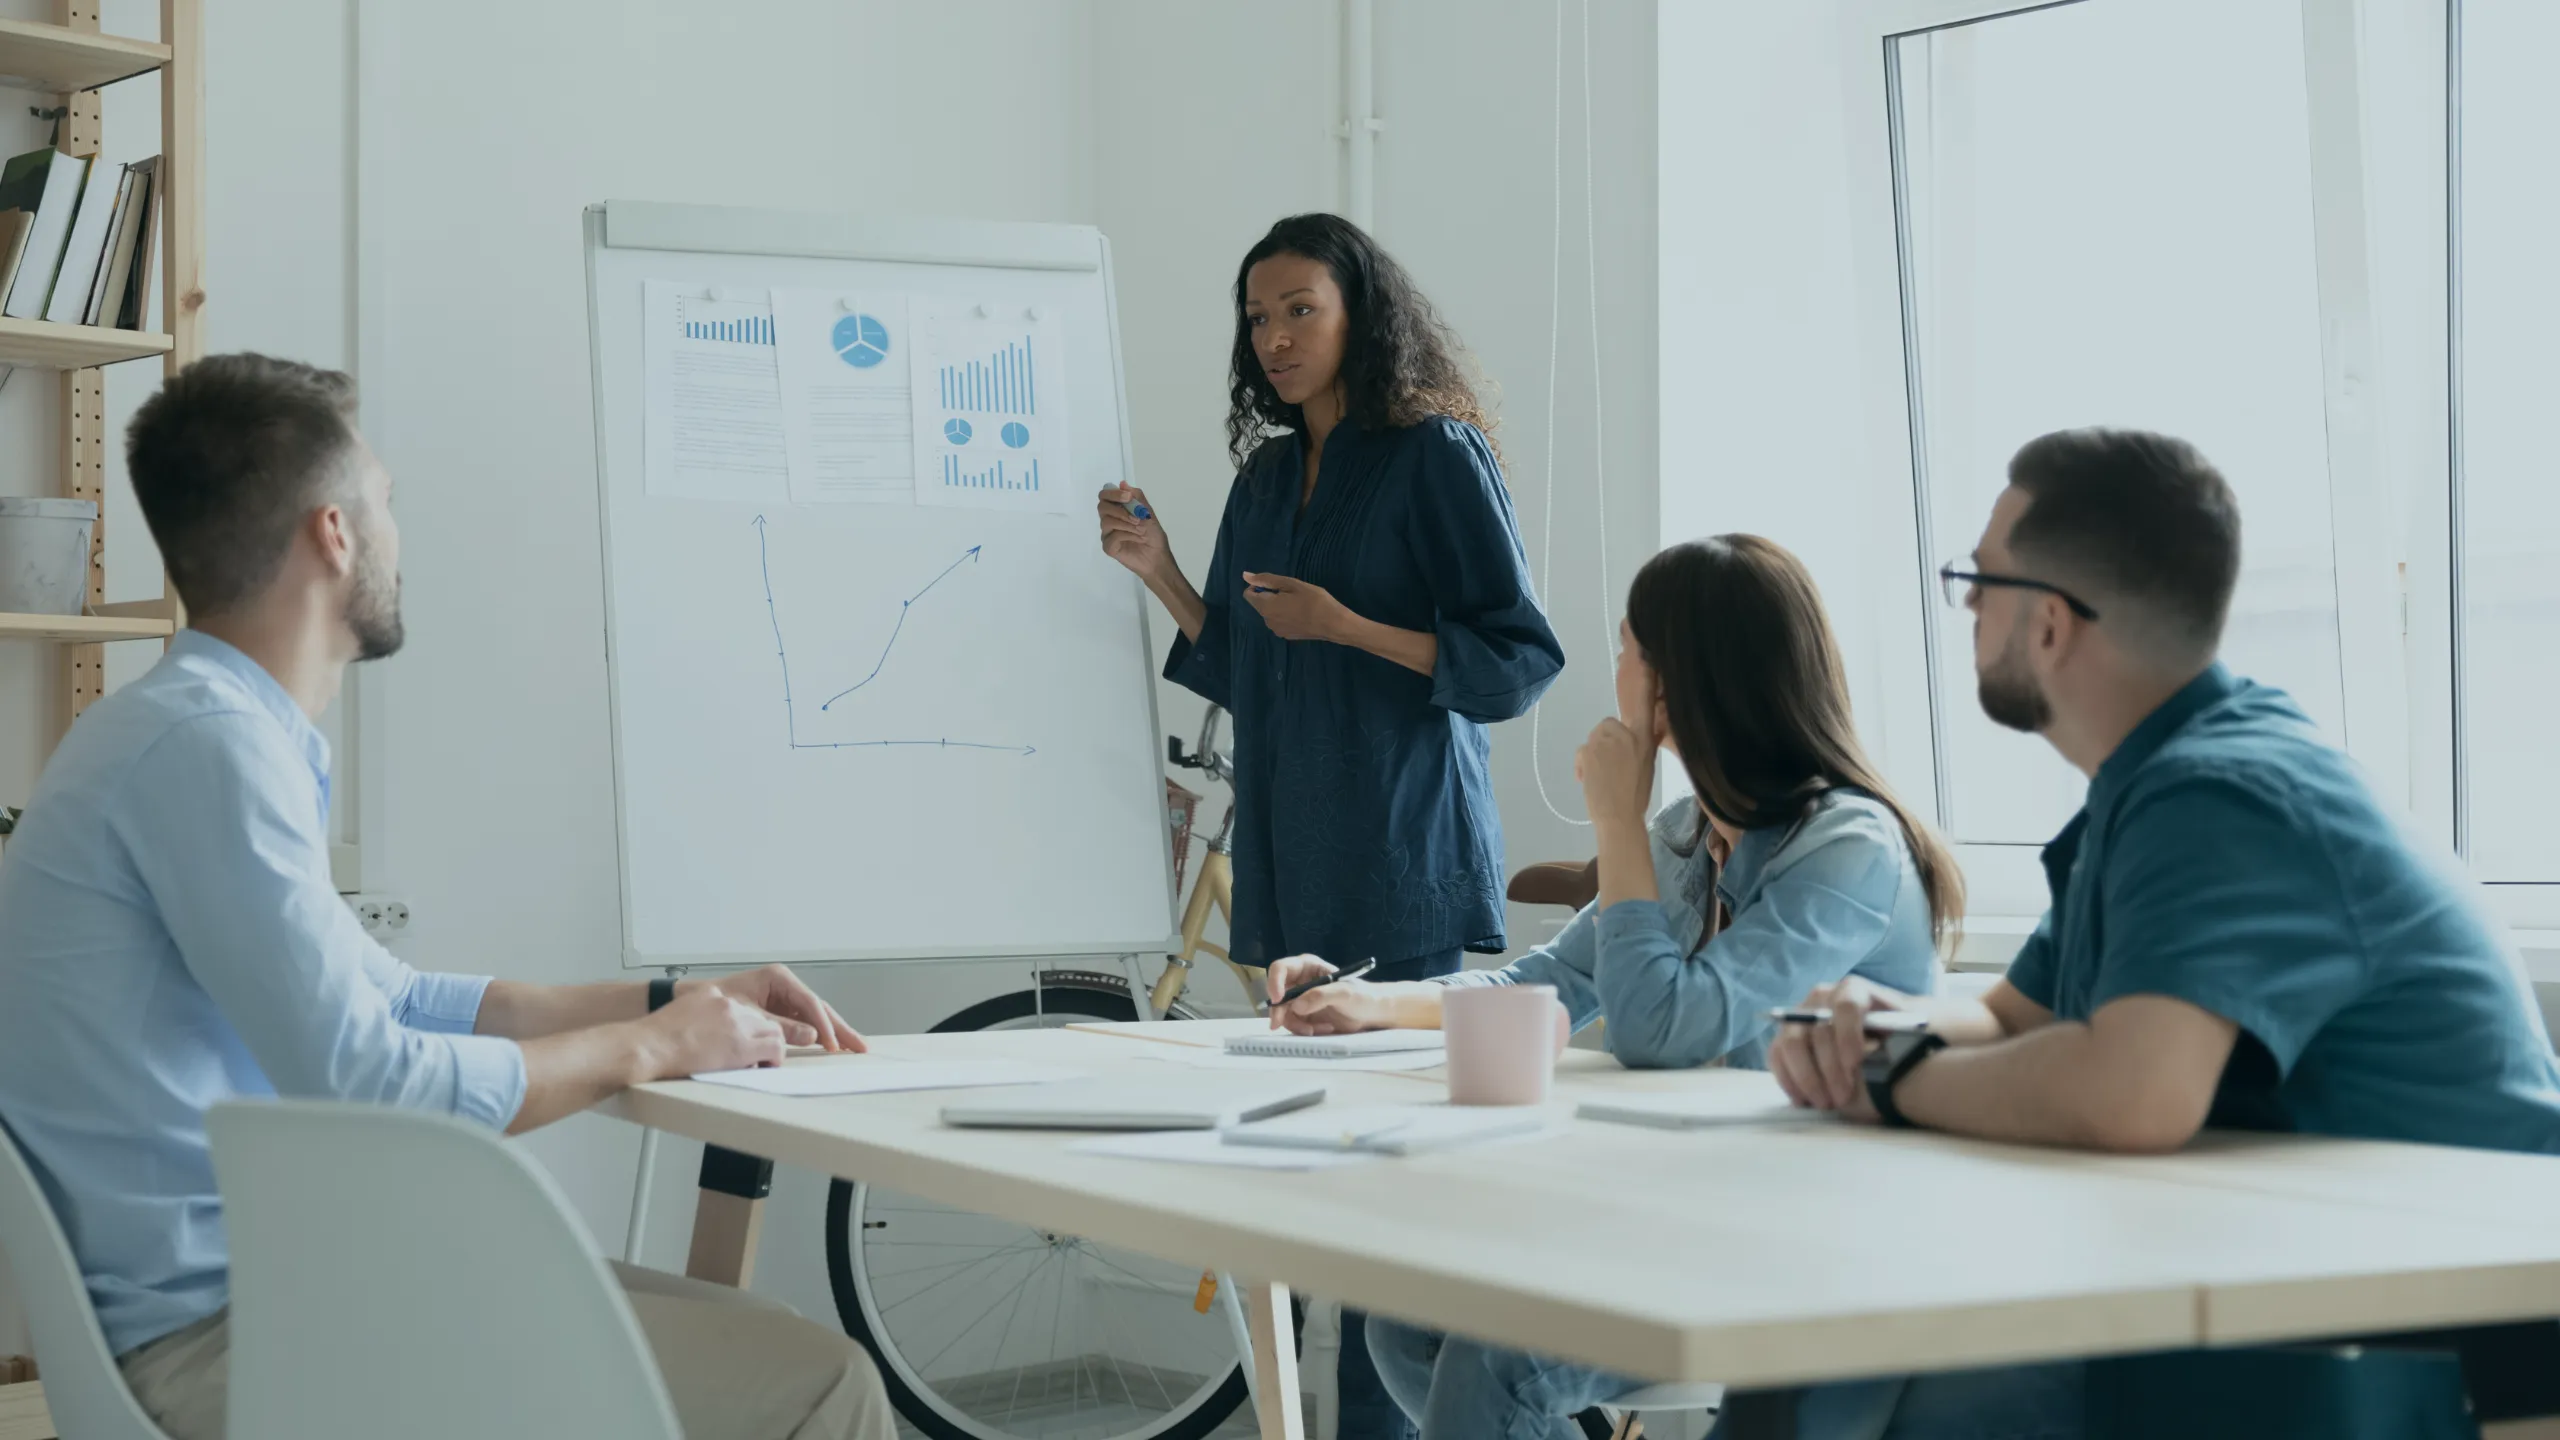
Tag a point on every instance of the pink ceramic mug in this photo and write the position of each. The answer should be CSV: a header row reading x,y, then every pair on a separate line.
x,y
1503,1042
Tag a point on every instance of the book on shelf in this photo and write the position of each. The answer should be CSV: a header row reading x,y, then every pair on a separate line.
x,y
13,243
47,185
87,245
123,279
104,267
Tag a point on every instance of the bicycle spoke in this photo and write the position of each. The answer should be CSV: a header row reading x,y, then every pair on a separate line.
x,y
888,1306
927,1367
1150,1369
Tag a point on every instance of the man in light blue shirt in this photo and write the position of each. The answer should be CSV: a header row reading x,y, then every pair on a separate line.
x,y
170,938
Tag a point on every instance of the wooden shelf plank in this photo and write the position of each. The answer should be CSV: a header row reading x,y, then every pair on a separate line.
x,y
22,1413
48,346
82,629
58,58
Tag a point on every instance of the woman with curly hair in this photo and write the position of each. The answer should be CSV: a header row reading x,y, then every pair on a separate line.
x,y
1366,614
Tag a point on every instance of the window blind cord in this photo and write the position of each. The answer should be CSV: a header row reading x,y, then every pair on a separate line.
x,y
1555,313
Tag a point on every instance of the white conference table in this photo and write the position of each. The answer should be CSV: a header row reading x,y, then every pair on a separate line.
x,y
1752,1255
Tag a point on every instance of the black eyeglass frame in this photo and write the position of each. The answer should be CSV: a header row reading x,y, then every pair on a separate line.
x,y
1949,577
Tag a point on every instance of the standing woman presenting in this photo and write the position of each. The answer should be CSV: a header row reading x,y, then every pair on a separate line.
x,y
1366,614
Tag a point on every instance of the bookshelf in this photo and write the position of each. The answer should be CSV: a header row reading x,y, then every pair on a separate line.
x,y
70,59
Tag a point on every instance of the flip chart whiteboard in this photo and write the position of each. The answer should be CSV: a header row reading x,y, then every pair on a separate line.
x,y
916,725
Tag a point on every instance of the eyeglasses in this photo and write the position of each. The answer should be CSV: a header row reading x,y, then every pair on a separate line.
x,y
1958,585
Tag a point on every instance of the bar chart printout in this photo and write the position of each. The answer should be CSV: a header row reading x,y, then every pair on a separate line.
x,y
990,406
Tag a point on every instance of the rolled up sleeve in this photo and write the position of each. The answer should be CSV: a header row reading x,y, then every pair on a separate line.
x,y
1205,666
1564,962
1809,926
1497,654
222,821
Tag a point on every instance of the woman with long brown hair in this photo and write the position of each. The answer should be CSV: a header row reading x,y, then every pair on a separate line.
x,y
1366,614
1791,865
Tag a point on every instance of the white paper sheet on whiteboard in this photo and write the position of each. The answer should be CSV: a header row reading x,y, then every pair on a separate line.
x,y
866,1075
990,388
714,404
847,420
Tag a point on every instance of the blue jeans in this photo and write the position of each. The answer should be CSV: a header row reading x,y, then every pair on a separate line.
x,y
1461,1389
1366,1411
2025,1402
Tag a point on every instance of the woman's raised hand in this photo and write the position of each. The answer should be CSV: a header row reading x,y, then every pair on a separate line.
x,y
1138,544
1615,767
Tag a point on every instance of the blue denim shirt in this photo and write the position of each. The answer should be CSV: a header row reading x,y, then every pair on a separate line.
x,y
1833,895
2230,858
169,940
1365,818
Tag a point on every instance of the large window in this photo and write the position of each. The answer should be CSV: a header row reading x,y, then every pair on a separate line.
x,y
2105,216
2506,393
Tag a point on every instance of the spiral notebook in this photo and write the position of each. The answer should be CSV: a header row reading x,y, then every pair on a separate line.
x,y
1283,1046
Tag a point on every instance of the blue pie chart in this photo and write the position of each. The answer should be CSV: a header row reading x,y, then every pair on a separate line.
x,y
1016,434
861,341
956,431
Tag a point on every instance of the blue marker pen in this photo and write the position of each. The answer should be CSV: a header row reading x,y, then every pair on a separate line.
x,y
1138,512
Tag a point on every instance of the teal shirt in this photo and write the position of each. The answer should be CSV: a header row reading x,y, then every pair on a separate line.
x,y
1831,895
2228,857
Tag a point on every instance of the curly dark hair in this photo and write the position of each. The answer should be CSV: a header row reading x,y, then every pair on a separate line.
x,y
1400,363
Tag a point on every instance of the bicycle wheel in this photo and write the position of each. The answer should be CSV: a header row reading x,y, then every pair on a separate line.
x,y
989,1330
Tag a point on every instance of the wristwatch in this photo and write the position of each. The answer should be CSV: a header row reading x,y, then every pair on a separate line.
x,y
661,991
1885,1066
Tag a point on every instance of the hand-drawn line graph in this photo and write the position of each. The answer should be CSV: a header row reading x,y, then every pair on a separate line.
x,y
895,630
790,707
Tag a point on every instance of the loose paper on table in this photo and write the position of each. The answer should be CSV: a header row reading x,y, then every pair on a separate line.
x,y
714,405
869,1076
1203,1147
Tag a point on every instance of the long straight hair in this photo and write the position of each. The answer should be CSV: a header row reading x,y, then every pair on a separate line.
x,y
1758,700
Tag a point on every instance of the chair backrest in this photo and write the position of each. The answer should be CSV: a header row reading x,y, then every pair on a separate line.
x,y
410,1277
82,1386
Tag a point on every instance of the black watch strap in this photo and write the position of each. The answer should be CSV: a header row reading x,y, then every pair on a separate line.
x,y
1897,1057
662,991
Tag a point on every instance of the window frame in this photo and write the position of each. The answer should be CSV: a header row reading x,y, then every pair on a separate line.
x,y
1903,690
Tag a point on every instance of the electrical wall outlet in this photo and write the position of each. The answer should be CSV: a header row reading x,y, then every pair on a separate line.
x,y
385,917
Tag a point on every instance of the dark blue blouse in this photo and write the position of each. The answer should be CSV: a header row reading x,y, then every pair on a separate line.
x,y
1365,820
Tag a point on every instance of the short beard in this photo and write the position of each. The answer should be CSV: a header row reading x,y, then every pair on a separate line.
x,y
2009,693
373,611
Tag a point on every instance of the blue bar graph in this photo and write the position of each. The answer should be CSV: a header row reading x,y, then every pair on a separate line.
x,y
1005,383
994,477
753,330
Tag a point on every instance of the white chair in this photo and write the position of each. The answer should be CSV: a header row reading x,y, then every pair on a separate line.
x,y
82,1386
409,1277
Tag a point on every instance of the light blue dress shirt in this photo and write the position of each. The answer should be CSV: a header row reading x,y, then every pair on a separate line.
x,y
169,940
1833,895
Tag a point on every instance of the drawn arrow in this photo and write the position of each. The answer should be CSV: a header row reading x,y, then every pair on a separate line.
x,y
791,716
903,606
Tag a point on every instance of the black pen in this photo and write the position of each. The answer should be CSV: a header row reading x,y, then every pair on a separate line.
x,y
1354,973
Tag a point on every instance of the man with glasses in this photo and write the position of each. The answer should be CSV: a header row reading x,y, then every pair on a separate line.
x,y
2239,935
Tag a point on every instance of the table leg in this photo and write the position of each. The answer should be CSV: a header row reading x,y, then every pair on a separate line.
x,y
1275,1363
730,1218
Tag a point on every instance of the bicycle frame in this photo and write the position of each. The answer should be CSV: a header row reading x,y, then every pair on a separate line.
x,y
1214,888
